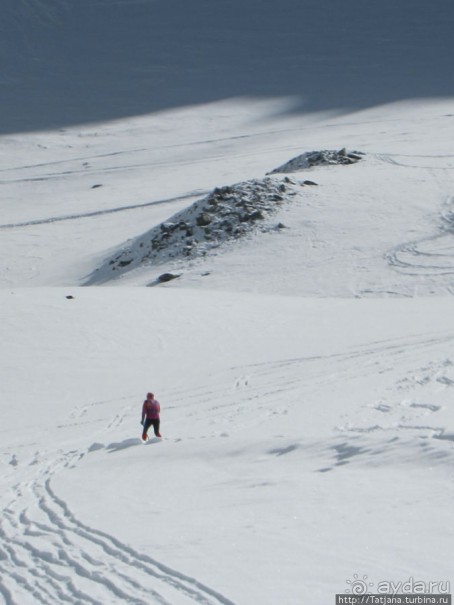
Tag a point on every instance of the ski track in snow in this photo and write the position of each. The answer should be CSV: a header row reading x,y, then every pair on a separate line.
x,y
269,390
48,556
410,424
94,213
402,160
432,255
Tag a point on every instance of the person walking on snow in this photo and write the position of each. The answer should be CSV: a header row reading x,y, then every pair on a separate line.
x,y
150,415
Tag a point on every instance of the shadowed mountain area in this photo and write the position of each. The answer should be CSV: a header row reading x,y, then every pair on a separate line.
x,y
65,62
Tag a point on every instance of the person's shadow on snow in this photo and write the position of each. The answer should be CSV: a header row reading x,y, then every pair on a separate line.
x,y
123,445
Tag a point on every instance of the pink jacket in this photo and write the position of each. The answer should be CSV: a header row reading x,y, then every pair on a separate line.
x,y
150,409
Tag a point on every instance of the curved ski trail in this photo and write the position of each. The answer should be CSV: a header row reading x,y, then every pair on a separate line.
x,y
48,556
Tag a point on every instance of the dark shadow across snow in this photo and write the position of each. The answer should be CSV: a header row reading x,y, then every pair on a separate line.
x,y
67,62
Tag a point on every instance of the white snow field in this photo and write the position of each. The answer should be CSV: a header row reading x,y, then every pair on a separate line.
x,y
302,348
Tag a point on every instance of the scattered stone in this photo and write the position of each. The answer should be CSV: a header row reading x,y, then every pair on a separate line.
x,y
96,186
311,183
165,277
204,219
69,297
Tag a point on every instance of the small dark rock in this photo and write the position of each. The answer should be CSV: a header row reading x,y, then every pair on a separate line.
x,y
204,219
165,277
257,215
312,183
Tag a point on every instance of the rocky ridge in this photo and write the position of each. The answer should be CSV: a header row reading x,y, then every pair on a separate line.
x,y
319,158
226,214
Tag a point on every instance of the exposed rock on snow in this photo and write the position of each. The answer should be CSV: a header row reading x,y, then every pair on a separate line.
x,y
319,158
227,213
165,277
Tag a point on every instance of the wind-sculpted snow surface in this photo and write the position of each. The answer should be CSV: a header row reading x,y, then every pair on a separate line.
x,y
226,214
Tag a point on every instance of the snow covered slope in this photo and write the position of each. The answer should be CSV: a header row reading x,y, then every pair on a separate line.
x,y
304,441
304,363
75,200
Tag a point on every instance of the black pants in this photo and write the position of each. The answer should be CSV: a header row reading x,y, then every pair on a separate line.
x,y
148,423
